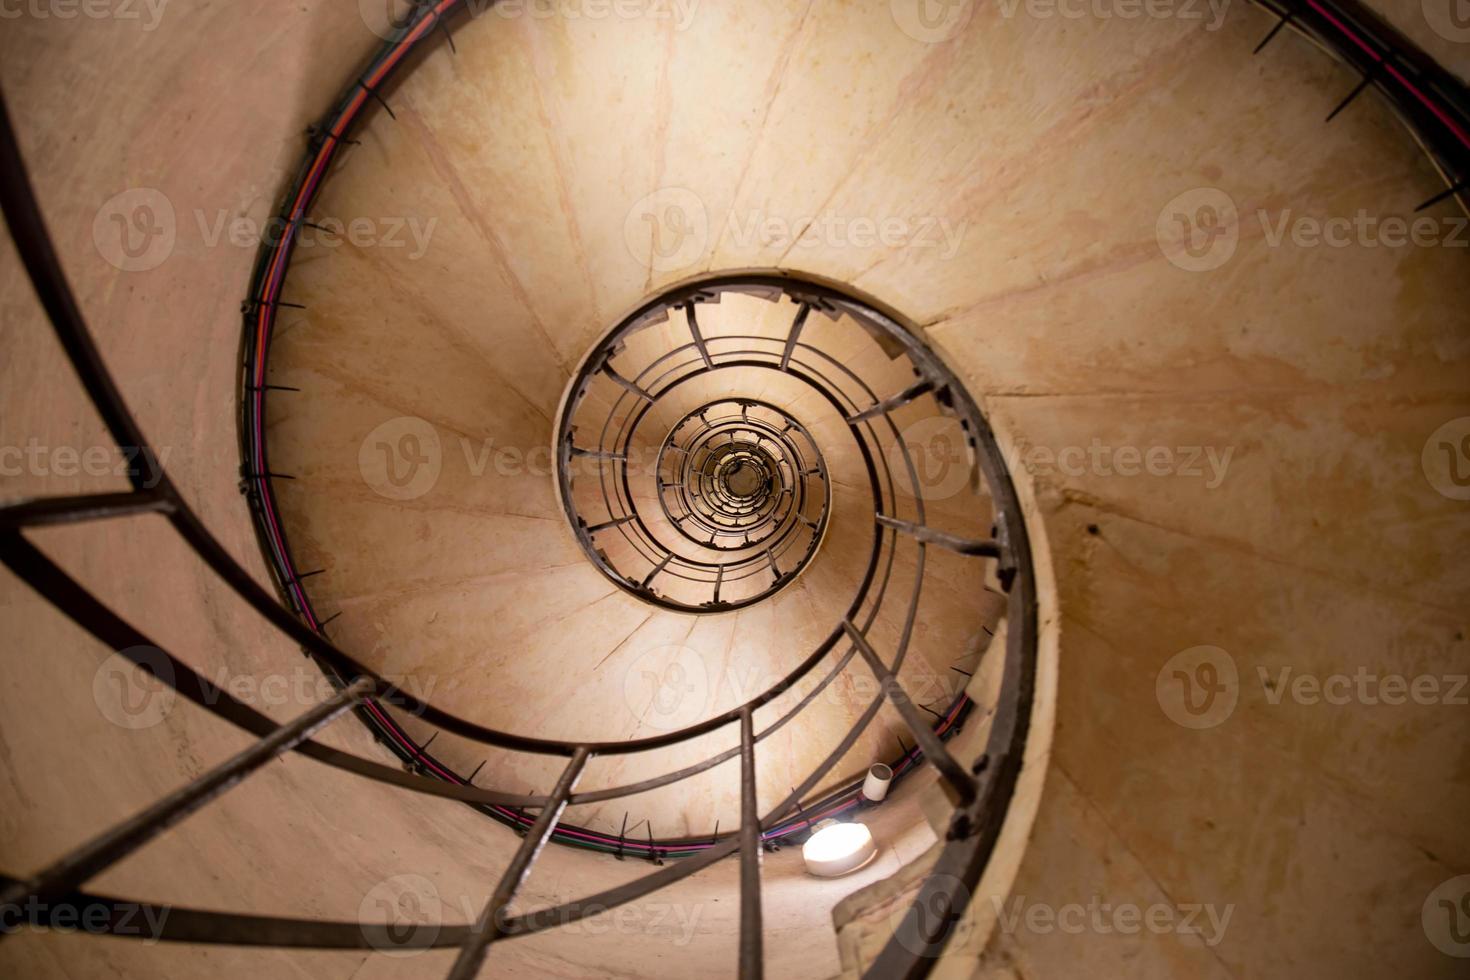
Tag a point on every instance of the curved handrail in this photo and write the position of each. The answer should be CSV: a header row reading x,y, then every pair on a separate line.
x,y
155,492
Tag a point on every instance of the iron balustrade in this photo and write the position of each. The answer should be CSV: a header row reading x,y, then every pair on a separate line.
x,y
972,836
703,540
694,468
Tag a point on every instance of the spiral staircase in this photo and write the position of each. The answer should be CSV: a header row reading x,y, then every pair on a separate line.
x,y
632,517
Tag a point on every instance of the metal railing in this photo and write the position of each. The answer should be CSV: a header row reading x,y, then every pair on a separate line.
x,y
732,471
703,548
984,788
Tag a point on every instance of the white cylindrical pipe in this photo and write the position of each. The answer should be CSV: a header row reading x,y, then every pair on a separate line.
x,y
875,786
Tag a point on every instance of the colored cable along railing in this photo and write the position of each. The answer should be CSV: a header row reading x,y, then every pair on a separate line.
x,y
1431,101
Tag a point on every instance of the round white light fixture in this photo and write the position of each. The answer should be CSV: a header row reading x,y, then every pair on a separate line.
x,y
838,848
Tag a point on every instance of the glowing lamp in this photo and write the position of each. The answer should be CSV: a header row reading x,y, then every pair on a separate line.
x,y
838,848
